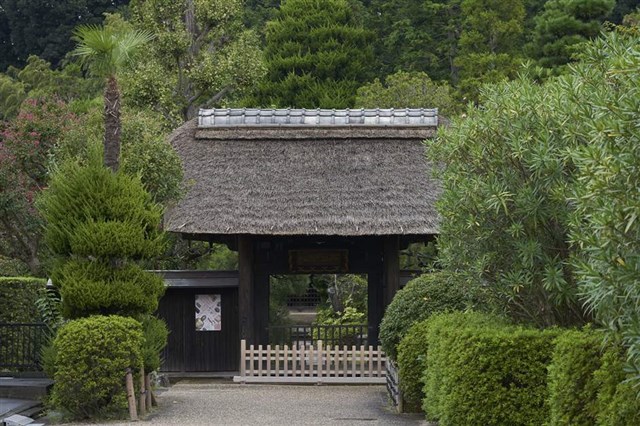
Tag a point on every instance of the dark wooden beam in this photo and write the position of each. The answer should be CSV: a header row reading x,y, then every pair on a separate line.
x,y
375,304
245,287
391,267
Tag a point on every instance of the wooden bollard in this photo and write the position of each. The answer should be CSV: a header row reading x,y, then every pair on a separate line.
x,y
131,397
147,388
143,396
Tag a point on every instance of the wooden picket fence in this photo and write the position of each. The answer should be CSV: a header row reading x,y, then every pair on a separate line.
x,y
311,363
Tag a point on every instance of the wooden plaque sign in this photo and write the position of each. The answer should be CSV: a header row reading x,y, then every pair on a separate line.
x,y
319,261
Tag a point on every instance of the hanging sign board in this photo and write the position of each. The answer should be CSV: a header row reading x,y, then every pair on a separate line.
x,y
208,312
319,261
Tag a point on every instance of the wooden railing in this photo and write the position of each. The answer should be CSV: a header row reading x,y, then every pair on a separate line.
x,y
311,363
343,334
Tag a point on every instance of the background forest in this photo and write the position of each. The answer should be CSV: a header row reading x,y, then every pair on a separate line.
x,y
220,53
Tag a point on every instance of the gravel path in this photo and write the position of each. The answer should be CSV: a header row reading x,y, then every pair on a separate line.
x,y
188,403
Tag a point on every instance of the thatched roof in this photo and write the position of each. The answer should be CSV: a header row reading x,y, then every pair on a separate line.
x,y
306,172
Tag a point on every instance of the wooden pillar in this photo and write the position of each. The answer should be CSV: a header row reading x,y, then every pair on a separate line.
x,y
261,307
391,267
375,296
245,287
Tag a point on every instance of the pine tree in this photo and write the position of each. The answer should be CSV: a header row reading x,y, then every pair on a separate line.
x,y
563,25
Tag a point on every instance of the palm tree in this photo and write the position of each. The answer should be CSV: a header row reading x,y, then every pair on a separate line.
x,y
104,51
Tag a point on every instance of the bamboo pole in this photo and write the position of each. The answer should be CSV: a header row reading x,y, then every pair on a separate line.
x,y
131,397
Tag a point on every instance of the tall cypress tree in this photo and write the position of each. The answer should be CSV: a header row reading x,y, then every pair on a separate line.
x,y
317,55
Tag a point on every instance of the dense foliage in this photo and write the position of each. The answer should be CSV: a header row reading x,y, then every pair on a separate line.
x,y
317,55
606,225
410,89
44,28
563,25
92,356
482,373
424,296
201,56
508,173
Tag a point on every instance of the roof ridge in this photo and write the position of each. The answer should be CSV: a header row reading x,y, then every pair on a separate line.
x,y
237,117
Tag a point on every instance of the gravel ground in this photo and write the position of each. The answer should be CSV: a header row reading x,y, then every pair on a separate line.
x,y
192,403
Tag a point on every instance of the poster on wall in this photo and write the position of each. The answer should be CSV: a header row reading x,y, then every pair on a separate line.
x,y
208,312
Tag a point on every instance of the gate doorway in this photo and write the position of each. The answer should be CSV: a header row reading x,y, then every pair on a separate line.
x,y
305,308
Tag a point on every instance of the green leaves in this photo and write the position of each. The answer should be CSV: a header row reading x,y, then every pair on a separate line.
x,y
104,50
317,56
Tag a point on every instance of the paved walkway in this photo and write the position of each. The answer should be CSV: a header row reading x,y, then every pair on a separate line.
x,y
188,403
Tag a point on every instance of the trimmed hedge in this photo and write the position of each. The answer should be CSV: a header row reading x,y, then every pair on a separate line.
x,y
618,402
586,385
424,296
18,296
572,390
483,372
92,355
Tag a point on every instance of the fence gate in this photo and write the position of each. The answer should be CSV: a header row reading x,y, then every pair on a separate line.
x,y
311,363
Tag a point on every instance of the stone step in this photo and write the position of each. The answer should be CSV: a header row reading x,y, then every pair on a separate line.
x,y
24,388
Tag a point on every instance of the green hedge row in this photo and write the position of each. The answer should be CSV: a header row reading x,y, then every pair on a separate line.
x,y
587,383
18,297
477,369
483,372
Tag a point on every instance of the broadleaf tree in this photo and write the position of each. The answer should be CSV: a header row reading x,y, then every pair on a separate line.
x,y
201,57
605,90
507,174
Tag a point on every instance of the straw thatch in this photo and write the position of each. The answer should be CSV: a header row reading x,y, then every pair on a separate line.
x,y
301,180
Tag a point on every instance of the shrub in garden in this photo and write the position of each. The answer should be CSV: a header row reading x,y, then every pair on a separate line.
x,y
424,296
155,335
484,372
412,362
618,403
92,356
99,224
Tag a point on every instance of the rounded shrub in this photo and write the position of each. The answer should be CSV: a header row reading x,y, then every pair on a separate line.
x,y
424,296
412,358
92,356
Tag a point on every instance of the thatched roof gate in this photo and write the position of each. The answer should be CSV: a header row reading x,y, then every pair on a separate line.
x,y
274,184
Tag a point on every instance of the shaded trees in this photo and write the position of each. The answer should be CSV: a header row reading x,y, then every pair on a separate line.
x,y
563,25
200,57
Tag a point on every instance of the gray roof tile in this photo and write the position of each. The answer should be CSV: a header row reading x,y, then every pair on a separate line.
x,y
234,117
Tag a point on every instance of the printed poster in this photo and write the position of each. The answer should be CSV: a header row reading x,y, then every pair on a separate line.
x,y
208,312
